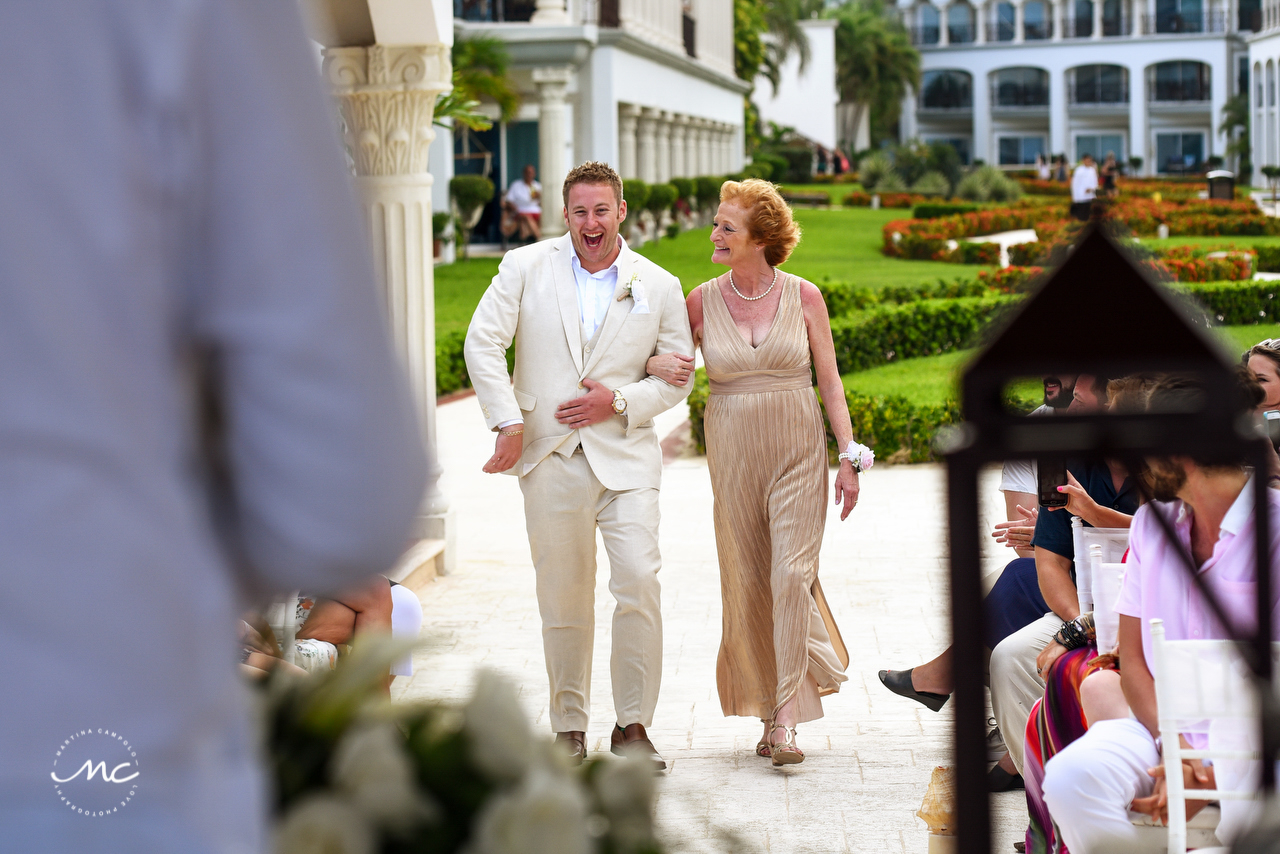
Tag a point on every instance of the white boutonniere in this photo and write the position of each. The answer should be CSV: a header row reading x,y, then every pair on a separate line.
x,y
632,289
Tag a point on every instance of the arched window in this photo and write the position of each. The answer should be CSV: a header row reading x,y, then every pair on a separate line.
x,y
1180,81
1113,23
1095,85
1082,19
946,89
1006,18
960,23
1271,84
1035,21
1021,87
1257,85
927,22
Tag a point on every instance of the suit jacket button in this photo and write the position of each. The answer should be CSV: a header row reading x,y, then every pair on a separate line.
x,y
580,385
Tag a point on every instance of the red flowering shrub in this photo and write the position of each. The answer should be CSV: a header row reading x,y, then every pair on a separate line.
x,y
1011,279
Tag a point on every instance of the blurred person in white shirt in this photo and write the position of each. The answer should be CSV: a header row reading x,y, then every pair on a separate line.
x,y
524,201
1084,188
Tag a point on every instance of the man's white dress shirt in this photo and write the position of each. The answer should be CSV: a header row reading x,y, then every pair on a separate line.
x,y
1084,184
595,292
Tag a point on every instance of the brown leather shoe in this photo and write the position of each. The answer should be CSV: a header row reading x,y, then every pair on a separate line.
x,y
575,744
632,739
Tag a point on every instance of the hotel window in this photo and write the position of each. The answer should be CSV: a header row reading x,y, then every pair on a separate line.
x,y
1020,150
1179,153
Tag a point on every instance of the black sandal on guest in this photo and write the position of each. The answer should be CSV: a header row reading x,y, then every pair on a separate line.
x,y
899,682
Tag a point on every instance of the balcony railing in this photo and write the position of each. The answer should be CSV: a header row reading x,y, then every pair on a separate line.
x,y
1037,32
923,36
1023,100
1174,24
1189,97
1090,98
961,33
494,10
1000,31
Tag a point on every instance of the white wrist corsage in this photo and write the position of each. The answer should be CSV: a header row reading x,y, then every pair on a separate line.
x,y
859,456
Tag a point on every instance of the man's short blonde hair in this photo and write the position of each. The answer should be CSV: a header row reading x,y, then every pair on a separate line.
x,y
593,172
769,219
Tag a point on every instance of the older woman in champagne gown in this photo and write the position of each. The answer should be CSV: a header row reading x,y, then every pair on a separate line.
x,y
761,330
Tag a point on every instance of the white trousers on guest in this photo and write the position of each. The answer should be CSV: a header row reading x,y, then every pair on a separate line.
x,y
1089,785
564,504
1015,685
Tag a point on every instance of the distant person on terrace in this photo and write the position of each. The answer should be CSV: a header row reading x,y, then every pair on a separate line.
x,y
1084,188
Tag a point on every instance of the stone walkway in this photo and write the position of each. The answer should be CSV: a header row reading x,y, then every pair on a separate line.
x,y
868,761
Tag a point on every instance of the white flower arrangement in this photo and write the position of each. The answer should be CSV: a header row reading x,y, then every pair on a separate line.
x,y
356,774
631,289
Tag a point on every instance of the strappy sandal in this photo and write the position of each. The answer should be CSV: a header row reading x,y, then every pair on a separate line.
x,y
785,753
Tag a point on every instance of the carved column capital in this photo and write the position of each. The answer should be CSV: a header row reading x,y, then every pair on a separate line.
x,y
387,98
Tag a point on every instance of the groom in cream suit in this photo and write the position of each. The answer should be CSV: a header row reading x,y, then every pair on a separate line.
x,y
576,425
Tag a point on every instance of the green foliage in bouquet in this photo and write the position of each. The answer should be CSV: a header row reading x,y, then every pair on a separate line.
x,y
355,774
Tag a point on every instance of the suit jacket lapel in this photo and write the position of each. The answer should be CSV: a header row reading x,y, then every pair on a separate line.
x,y
567,296
618,309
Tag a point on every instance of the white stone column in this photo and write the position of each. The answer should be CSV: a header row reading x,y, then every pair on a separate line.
x,y
1059,125
1057,11
692,164
549,13
1138,143
663,140
981,118
944,32
551,83
1019,23
980,22
679,129
726,147
1097,20
628,116
646,145
386,96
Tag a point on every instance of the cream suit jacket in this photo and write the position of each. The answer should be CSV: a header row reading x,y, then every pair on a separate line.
x,y
534,301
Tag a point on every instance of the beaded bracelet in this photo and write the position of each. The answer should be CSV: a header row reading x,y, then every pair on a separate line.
x,y
1076,633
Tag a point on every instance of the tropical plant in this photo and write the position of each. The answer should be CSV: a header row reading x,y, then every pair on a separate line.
x,y
479,71
932,184
782,23
988,184
875,67
890,182
872,168
1272,174
470,194
1235,124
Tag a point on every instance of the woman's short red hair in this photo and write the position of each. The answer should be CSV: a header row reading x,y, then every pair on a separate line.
x,y
769,219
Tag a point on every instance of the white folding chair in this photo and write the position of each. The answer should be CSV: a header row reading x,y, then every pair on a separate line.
x,y
282,617
1197,682
1113,541
1107,578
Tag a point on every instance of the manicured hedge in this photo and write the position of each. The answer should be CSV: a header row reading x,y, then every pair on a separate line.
x,y
935,210
896,429
860,199
1268,258
926,328
451,364
1237,303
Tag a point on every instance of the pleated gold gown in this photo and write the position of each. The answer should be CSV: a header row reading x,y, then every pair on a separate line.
x,y
766,451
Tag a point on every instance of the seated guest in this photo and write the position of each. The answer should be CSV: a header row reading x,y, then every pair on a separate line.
x,y
1021,619
1090,785
523,201
1102,495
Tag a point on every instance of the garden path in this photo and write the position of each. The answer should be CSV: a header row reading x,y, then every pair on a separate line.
x,y
869,760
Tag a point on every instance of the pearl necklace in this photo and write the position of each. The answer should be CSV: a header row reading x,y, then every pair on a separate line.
x,y
759,296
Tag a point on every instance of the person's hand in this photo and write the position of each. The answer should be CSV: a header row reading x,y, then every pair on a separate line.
x,y
1078,501
506,451
1017,535
1194,776
592,408
847,489
1048,656
671,368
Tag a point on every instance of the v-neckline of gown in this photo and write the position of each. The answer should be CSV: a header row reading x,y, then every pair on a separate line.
x,y
737,333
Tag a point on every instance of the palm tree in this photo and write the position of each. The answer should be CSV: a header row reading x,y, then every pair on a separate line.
x,y
479,71
782,22
1235,124
875,67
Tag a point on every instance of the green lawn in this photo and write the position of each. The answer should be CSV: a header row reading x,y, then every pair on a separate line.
x,y
838,245
932,379
1242,242
836,192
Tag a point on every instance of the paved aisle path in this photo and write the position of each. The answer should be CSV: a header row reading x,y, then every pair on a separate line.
x,y
868,761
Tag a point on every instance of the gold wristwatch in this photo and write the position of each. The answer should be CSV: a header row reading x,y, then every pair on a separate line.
x,y
619,402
